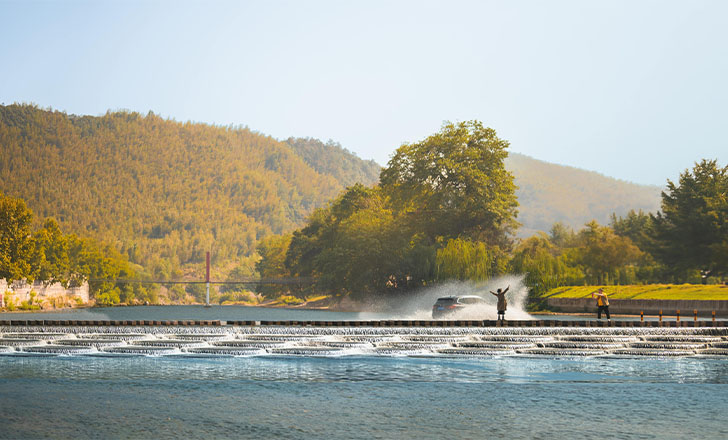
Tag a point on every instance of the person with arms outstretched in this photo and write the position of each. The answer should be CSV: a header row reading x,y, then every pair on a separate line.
x,y
602,303
502,303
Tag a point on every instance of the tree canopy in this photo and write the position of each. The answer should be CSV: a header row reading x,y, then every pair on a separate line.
x,y
455,183
692,227
442,204
16,242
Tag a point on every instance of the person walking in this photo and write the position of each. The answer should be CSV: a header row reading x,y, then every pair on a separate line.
x,y
602,303
502,302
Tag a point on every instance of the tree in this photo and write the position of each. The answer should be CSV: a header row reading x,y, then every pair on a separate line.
x,y
50,257
272,252
374,252
562,236
602,252
545,269
16,243
455,183
692,229
463,259
638,227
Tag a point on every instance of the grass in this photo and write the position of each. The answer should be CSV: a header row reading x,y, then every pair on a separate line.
x,y
647,291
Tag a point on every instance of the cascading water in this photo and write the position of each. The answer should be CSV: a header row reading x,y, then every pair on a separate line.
x,y
363,341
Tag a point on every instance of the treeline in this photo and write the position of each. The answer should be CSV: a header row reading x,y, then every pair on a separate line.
x,y
445,209
685,242
48,255
164,192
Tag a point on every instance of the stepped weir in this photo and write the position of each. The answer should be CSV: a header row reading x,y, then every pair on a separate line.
x,y
549,338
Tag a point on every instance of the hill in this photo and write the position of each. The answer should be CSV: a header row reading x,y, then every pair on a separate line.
x,y
549,193
332,159
164,191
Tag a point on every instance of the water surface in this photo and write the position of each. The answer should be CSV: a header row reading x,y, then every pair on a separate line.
x,y
362,397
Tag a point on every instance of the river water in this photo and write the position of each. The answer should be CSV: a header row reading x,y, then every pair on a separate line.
x,y
356,396
252,313
362,397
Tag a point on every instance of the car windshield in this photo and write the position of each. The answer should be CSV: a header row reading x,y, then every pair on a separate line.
x,y
445,301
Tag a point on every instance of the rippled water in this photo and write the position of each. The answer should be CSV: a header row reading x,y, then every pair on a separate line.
x,y
361,397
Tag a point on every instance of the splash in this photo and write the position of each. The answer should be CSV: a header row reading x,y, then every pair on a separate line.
x,y
419,305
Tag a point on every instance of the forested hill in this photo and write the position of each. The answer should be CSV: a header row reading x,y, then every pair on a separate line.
x,y
332,159
163,191
548,193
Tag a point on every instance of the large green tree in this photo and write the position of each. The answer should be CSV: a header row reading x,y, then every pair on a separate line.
x,y
454,183
692,228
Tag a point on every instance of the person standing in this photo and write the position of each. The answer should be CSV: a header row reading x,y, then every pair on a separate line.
x,y
502,303
602,303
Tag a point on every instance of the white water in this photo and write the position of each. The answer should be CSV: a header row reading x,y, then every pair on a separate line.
x,y
419,304
364,341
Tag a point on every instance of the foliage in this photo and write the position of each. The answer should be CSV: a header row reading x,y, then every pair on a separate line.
x,y
48,255
357,245
290,300
692,229
16,243
602,252
9,301
455,183
198,291
239,297
331,159
444,202
272,252
463,259
544,268
51,259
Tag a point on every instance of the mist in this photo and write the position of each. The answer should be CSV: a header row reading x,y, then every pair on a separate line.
x,y
418,305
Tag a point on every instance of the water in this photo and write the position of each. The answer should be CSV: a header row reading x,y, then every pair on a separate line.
x,y
355,382
252,313
362,397
224,313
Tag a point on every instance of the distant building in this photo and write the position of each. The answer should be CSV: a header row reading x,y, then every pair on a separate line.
x,y
19,291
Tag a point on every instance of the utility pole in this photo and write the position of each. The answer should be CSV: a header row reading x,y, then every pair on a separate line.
x,y
207,279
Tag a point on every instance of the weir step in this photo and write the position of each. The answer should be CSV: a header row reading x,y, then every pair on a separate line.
x,y
380,323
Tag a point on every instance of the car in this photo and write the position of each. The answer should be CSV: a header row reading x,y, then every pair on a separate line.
x,y
450,306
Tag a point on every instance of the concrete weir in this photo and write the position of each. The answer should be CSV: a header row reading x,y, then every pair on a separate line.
x,y
545,338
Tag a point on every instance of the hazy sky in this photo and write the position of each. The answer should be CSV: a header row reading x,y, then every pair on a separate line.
x,y
633,89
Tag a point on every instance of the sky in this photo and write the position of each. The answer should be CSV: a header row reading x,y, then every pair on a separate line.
x,y
634,89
